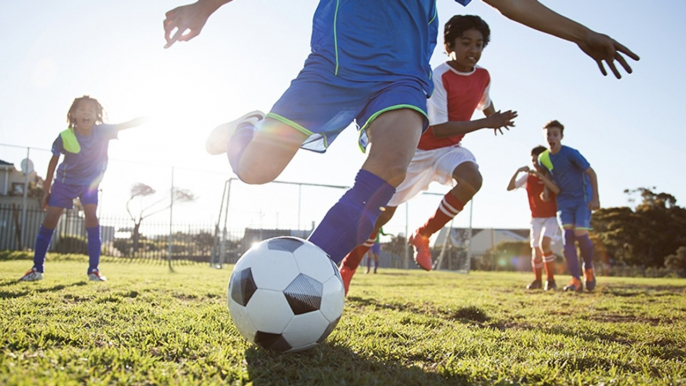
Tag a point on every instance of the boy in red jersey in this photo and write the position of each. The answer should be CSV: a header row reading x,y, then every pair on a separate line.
x,y
460,87
544,227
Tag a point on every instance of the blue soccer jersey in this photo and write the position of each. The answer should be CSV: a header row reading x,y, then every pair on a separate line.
x,y
86,167
568,169
376,40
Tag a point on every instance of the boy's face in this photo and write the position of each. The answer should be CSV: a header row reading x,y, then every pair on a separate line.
x,y
553,135
466,50
85,114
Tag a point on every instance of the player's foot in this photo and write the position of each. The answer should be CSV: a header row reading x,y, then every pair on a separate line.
x,y
423,255
535,285
347,276
574,285
589,276
96,276
219,138
550,285
367,271
32,275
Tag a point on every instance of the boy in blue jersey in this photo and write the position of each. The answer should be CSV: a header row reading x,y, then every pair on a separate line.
x,y
576,189
84,145
369,63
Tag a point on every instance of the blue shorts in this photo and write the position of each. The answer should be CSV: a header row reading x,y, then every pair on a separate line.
x,y
63,195
321,105
574,215
376,248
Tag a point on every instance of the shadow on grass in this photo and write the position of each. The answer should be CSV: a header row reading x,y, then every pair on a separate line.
x,y
333,364
470,314
24,291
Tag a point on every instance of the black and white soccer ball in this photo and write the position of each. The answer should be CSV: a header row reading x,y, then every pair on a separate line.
x,y
285,294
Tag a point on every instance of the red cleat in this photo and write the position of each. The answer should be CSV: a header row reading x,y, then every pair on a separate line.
x,y
423,255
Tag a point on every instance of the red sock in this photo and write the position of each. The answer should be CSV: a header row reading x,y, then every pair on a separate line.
x,y
450,206
538,269
354,258
549,264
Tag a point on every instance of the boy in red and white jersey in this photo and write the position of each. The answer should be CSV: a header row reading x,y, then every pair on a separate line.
x,y
460,87
544,226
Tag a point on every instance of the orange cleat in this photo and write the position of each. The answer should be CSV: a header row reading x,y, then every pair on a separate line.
x,y
423,255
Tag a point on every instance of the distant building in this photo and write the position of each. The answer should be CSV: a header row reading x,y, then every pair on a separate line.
x,y
484,239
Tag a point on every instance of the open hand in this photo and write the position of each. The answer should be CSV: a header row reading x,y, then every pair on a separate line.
x,y
603,48
499,120
191,18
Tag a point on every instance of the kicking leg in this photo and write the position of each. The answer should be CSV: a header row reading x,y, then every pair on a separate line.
x,y
394,136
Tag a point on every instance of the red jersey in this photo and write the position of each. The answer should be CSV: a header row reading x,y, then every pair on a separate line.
x,y
456,95
534,188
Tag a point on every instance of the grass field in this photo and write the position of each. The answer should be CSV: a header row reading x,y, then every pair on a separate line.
x,y
147,326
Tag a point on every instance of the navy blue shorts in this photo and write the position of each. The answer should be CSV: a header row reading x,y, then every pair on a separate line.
x,y
63,195
321,105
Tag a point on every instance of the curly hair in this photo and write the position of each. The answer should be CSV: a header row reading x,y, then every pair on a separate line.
x,y
99,111
458,24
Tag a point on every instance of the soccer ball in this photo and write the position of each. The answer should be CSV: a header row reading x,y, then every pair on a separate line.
x,y
285,294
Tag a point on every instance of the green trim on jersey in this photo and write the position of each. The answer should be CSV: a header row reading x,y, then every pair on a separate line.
x,y
335,36
69,141
375,115
544,159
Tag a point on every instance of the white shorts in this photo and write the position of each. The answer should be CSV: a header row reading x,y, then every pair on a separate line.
x,y
428,166
544,227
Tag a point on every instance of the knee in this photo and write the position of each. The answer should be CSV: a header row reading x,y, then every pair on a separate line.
x,y
252,176
470,179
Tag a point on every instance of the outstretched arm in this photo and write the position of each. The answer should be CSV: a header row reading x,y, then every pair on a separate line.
x,y
191,18
601,48
129,124
512,185
495,120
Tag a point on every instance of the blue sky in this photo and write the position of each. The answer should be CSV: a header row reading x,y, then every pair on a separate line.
x,y
53,51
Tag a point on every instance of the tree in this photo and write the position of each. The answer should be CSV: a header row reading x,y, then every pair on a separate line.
x,y
140,191
645,235
677,261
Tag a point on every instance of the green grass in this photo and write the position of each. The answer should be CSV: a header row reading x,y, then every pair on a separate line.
x,y
147,326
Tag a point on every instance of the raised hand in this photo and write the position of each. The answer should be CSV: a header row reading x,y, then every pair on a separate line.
x,y
603,48
499,120
187,20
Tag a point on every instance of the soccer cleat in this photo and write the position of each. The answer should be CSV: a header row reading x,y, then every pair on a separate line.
x,y
535,285
574,285
347,276
423,255
218,139
550,285
589,276
96,276
32,275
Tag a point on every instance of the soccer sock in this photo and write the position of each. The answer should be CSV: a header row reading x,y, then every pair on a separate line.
x,y
538,268
570,253
353,259
369,263
586,248
449,207
549,264
351,220
238,143
94,245
41,247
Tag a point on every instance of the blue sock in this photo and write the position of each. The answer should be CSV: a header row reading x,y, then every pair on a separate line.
x,y
586,248
94,245
41,247
570,253
238,143
351,220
